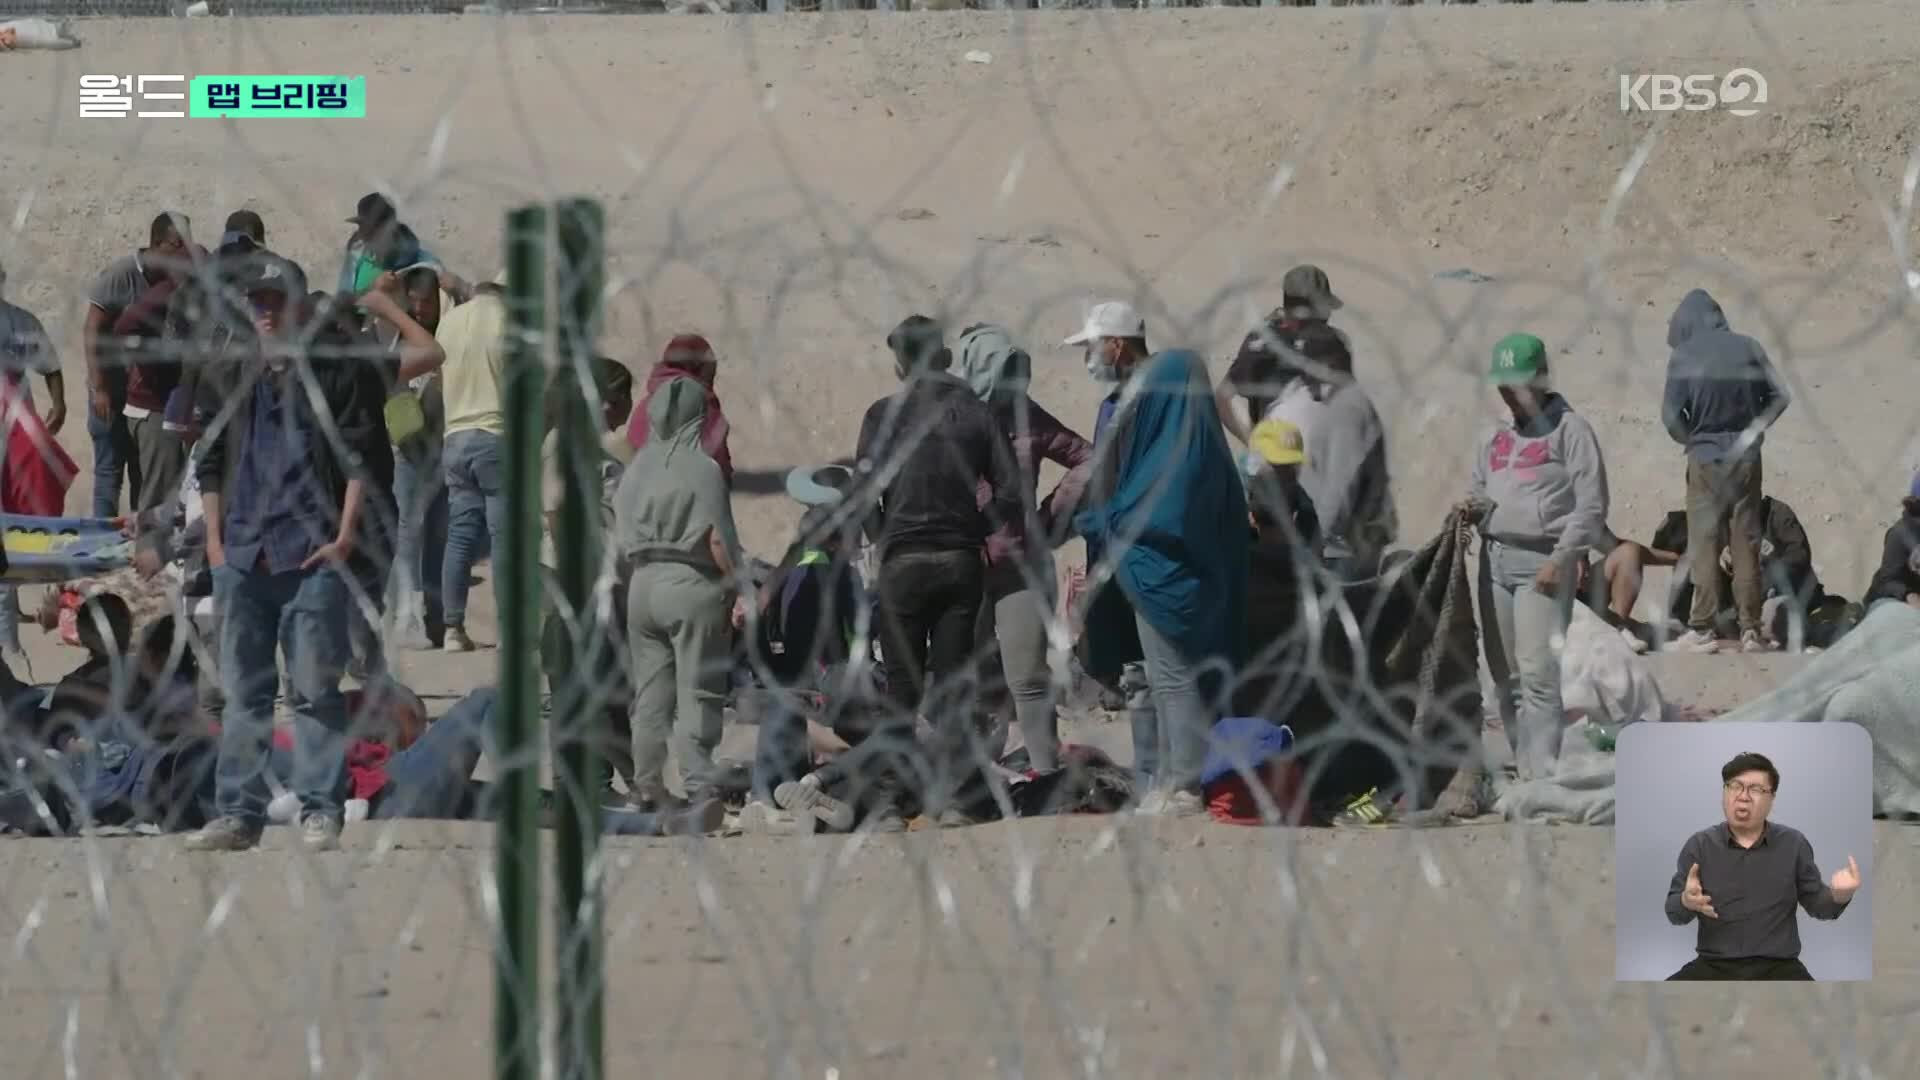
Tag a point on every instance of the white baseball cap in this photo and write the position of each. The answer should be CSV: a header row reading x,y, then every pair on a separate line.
x,y
1112,319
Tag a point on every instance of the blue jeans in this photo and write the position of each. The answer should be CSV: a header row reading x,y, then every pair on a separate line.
x,y
476,512
780,749
112,454
1180,720
304,614
420,493
431,778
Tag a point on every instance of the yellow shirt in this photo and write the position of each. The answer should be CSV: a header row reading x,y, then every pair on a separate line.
x,y
474,338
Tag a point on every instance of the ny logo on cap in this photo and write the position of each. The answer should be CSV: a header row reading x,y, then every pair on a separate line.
x,y
1506,357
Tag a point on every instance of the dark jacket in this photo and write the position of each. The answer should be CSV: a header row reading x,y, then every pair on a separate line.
x,y
1899,572
353,412
1719,384
922,455
1786,555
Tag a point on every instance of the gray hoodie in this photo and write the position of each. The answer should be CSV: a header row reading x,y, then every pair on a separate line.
x,y
1547,482
1722,391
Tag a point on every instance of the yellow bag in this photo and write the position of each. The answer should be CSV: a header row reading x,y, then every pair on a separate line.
x,y
405,417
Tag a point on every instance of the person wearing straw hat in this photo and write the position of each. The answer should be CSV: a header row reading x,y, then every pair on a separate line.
x,y
1539,497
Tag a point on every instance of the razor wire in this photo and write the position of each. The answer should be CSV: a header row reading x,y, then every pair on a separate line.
x,y
1054,945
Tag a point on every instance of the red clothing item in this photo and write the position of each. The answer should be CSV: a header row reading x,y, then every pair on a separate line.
x,y
150,378
366,762
1036,436
1230,801
713,430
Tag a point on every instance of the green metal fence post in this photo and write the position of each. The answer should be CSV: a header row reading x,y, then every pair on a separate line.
x,y
576,720
516,1003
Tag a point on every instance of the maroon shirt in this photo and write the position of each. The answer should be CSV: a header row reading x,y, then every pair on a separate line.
x,y
1036,435
151,373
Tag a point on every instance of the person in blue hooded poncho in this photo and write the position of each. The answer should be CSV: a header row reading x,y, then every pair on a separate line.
x,y
1167,517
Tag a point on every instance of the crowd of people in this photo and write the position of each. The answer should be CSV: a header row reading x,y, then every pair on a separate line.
x,y
300,469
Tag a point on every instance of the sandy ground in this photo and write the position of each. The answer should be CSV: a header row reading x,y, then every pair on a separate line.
x,y
792,187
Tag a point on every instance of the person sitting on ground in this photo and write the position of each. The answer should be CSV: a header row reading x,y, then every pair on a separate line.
x,y
804,630
1898,577
86,694
1612,587
687,356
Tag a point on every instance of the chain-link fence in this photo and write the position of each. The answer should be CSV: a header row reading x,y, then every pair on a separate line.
x,y
647,589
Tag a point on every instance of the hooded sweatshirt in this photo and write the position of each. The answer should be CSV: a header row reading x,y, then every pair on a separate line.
x,y
998,371
673,495
714,430
1899,572
922,456
1720,385
1547,482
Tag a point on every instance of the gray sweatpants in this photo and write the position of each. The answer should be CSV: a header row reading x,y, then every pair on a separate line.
x,y
1523,652
680,634
1020,624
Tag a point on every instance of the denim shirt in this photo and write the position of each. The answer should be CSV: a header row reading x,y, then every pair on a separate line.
x,y
276,515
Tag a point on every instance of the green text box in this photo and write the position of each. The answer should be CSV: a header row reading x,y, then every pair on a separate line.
x,y
266,97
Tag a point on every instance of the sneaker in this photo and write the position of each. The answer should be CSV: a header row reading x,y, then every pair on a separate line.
x,y
1696,641
1367,811
807,795
1634,641
457,640
224,834
320,832
884,820
1752,642
762,818
701,815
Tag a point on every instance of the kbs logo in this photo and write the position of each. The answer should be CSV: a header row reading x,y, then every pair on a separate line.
x,y
1740,91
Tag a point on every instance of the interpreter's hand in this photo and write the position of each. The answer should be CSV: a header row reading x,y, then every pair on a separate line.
x,y
146,561
1846,881
56,417
1694,898
1548,579
100,402
336,553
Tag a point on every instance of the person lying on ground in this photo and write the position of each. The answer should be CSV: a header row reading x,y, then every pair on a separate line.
x,y
687,356
1898,576
1539,497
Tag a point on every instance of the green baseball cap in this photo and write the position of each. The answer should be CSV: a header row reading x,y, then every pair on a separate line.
x,y
1517,360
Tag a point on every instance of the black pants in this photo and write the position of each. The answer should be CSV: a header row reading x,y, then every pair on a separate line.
x,y
929,606
1741,969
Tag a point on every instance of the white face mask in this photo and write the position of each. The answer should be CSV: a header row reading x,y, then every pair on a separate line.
x,y
1100,367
